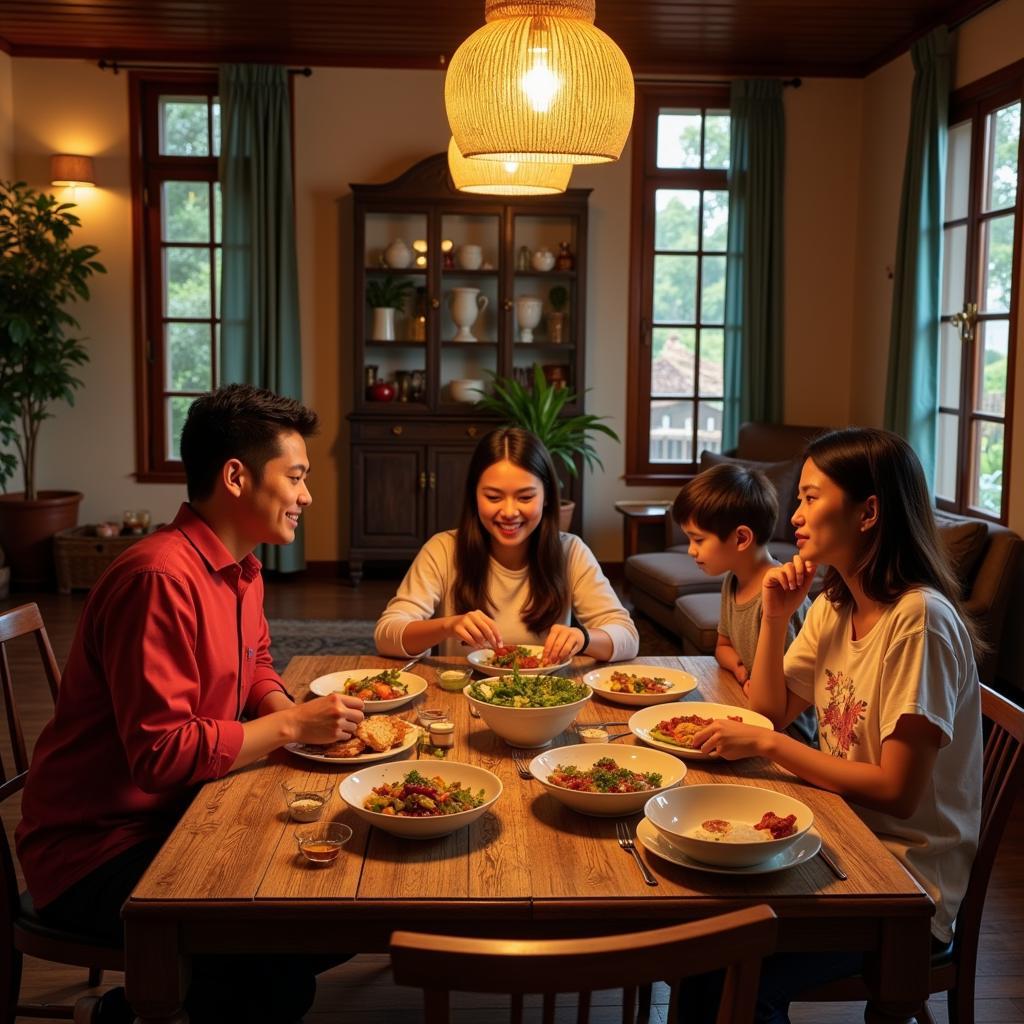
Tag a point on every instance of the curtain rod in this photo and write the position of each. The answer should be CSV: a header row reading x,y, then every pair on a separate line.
x,y
117,66
793,83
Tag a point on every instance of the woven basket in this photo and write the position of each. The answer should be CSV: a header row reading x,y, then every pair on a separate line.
x,y
81,556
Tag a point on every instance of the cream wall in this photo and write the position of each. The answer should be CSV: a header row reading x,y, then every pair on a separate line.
x,y
6,119
844,157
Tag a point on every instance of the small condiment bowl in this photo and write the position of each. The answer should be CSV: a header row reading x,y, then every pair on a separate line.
x,y
428,715
305,800
454,679
592,733
321,844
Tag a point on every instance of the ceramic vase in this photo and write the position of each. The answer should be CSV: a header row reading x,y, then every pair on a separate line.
x,y
470,257
383,324
398,255
528,311
466,304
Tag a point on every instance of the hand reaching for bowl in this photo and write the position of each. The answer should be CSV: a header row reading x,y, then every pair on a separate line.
x,y
562,643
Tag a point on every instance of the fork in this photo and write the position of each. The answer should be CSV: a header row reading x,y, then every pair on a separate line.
x,y
626,842
521,766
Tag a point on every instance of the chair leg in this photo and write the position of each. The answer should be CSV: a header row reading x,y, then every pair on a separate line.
x,y
95,976
924,1015
960,1001
644,996
10,983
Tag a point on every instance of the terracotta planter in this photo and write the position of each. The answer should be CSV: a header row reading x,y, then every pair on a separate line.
x,y
565,511
27,529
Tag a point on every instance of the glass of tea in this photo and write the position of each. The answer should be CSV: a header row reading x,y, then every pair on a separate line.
x,y
321,844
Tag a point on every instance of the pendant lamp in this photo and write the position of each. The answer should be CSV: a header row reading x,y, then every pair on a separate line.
x,y
539,83
506,177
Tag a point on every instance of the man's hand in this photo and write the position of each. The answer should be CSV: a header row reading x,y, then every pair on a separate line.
x,y
326,719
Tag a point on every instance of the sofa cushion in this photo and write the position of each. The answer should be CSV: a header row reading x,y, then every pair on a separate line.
x,y
785,478
666,575
964,543
697,620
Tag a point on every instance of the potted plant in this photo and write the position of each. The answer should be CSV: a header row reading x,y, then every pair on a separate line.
x,y
539,409
385,296
40,273
559,299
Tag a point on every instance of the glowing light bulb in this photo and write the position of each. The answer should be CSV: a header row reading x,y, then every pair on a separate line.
x,y
511,167
540,84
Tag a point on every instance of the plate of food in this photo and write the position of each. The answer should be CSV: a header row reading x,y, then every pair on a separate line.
x,y
673,729
527,659
640,685
806,847
378,737
382,689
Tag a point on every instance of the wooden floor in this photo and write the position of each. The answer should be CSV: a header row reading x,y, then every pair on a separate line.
x,y
362,991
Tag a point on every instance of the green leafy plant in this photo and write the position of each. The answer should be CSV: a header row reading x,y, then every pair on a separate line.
x,y
388,292
559,298
40,272
539,410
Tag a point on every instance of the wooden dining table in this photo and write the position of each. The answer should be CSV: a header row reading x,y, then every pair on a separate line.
x,y
230,879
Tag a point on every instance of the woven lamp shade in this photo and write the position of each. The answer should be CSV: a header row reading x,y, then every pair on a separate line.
x,y
539,83
504,178
71,171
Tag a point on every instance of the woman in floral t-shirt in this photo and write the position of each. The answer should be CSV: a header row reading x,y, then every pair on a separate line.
x,y
886,655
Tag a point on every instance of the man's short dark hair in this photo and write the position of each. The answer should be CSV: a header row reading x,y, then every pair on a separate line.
x,y
237,421
727,496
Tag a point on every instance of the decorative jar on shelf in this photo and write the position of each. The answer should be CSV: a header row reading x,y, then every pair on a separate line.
x,y
528,313
565,259
543,260
398,255
466,304
383,324
470,257
382,391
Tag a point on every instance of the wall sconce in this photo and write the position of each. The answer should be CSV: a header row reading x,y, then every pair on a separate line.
x,y
70,171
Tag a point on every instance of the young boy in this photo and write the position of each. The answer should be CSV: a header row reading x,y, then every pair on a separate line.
x,y
728,514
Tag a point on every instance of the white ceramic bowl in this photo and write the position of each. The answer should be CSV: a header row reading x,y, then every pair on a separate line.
x,y
643,721
601,680
358,786
464,390
528,727
583,756
679,810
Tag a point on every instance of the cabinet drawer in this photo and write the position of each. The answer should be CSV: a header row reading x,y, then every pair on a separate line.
x,y
421,431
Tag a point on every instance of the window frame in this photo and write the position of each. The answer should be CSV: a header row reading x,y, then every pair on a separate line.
x,y
975,102
148,172
647,178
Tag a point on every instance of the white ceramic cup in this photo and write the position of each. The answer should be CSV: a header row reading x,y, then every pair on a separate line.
x,y
470,257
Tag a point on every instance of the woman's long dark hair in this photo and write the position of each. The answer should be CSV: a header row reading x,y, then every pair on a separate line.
x,y
549,586
904,549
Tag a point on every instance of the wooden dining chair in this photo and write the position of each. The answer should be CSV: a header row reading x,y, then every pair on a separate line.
x,y
21,931
737,942
953,969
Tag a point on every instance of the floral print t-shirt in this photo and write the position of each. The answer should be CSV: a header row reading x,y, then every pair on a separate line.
x,y
916,660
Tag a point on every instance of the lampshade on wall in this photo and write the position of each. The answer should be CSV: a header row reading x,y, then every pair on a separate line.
x,y
539,83
506,178
71,171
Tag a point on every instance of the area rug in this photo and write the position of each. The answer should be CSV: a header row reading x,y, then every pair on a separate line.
x,y
289,637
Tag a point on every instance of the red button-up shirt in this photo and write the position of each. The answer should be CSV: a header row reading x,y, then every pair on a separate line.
x,y
171,651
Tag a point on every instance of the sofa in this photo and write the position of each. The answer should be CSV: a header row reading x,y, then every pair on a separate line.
x,y
669,588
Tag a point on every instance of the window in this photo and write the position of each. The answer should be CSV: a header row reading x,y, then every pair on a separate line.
x,y
680,217
981,261
177,202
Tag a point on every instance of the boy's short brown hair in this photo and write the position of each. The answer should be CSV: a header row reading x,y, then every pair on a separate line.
x,y
727,496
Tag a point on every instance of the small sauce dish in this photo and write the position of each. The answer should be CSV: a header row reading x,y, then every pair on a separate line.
x,y
321,844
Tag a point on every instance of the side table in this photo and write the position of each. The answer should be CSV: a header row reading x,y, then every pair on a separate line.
x,y
643,522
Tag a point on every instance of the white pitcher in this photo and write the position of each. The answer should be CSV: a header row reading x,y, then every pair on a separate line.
x,y
466,304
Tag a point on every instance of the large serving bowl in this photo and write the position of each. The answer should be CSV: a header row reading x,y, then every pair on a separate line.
x,y
678,811
680,683
527,727
607,805
358,786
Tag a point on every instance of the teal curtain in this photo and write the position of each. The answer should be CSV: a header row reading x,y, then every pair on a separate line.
x,y
911,393
259,341
753,277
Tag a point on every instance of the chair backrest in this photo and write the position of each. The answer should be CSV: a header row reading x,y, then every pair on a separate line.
x,y
1003,766
15,623
441,964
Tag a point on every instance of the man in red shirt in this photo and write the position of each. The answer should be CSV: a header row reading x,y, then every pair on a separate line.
x,y
169,684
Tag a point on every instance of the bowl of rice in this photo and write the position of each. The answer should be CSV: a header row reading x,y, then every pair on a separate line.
x,y
727,825
606,780
528,710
